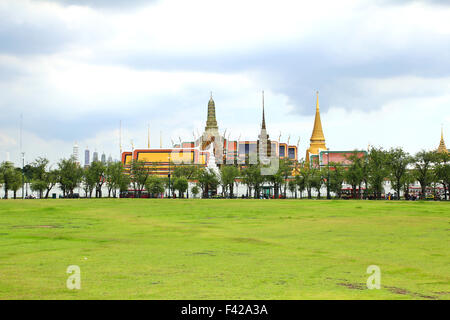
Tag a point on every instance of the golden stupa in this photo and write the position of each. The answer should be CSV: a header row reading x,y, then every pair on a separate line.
x,y
317,138
442,148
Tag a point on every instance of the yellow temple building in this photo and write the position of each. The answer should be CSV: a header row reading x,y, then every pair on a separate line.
x,y
317,141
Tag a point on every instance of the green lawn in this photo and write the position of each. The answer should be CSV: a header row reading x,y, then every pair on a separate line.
x,y
224,249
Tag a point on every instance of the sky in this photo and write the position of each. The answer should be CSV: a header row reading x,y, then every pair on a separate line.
x,y
75,68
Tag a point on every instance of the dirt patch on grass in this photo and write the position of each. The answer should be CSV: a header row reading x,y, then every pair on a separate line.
x,y
355,286
396,290
250,240
207,253
442,293
406,292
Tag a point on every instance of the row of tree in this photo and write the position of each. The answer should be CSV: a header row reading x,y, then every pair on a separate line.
x,y
68,175
365,173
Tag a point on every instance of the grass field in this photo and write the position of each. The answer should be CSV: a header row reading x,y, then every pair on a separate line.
x,y
224,249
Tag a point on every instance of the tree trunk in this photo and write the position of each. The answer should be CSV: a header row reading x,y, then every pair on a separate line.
x,y
423,188
445,190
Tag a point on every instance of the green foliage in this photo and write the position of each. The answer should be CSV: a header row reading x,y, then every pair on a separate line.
x,y
10,177
253,178
355,173
155,185
337,176
195,190
397,162
187,171
70,175
207,181
139,175
228,175
378,170
116,178
42,178
423,171
181,184
292,186
442,170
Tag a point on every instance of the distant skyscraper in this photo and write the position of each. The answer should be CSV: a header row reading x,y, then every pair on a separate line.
x,y
95,156
103,158
86,157
110,159
76,153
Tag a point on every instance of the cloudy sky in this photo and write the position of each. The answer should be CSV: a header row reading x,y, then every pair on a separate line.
x,y
75,68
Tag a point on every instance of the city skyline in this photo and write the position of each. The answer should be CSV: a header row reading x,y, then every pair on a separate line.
x,y
155,64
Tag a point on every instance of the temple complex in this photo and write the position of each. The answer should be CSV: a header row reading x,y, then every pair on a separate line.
x,y
161,161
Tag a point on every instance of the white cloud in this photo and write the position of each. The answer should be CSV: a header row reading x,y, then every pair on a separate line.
x,y
75,71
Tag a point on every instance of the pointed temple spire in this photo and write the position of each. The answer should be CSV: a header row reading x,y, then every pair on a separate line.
x,y
263,116
317,134
442,148
211,122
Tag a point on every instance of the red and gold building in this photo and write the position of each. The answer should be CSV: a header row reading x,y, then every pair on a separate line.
x,y
161,161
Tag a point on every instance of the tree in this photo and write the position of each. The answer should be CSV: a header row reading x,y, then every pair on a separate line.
x,y
70,175
114,174
42,178
442,171
292,186
253,178
228,175
97,169
378,170
89,181
155,185
300,181
285,171
354,174
336,178
10,177
207,181
123,183
423,171
276,180
28,172
408,179
181,184
38,173
317,180
307,172
397,162
195,190
16,182
139,175
51,178
187,171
